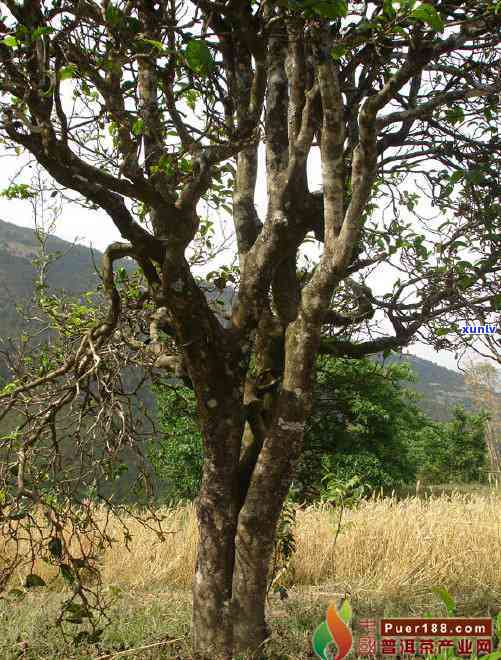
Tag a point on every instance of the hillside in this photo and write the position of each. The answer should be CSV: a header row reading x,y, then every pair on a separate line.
x,y
440,389
74,272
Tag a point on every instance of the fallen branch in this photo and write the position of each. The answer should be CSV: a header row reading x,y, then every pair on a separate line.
x,y
139,648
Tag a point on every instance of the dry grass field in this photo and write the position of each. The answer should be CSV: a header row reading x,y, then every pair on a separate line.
x,y
389,556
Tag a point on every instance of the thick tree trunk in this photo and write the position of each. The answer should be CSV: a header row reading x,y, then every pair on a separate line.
x,y
231,577
237,529
217,512
212,585
258,520
254,549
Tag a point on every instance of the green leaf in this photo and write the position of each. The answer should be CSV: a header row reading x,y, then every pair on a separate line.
x,y
138,127
18,191
446,599
388,9
55,546
67,573
327,8
345,611
429,15
456,176
156,44
398,29
33,580
338,52
113,15
191,96
474,176
185,165
454,115
134,24
10,41
67,72
40,31
198,57
164,165
19,515
498,617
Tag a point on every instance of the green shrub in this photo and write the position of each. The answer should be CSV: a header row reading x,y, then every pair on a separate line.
x,y
177,459
364,424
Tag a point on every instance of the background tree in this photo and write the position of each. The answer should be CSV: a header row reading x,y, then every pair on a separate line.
x,y
364,423
483,381
361,425
177,457
167,105
452,452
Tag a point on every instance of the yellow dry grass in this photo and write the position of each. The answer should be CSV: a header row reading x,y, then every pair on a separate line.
x,y
392,548
385,547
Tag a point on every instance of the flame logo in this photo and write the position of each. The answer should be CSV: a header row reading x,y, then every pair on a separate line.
x,y
334,629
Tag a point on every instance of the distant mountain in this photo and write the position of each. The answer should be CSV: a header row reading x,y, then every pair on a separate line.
x,y
74,272
21,245
440,389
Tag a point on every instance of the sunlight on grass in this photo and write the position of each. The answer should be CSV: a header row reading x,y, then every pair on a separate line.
x,y
390,546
